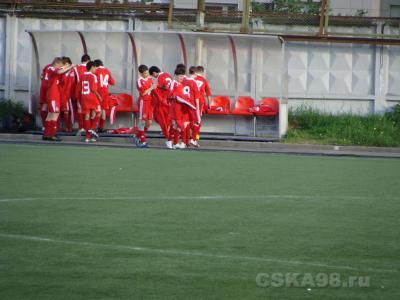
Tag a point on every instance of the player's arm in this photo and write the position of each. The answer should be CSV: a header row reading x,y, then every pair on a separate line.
x,y
196,93
93,86
111,80
65,70
208,92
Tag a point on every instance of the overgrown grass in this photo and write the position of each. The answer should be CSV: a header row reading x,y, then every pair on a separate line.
x,y
310,126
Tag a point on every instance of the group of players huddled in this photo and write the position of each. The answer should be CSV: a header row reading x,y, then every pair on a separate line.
x,y
72,92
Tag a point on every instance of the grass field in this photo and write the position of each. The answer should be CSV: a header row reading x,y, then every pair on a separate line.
x,y
108,223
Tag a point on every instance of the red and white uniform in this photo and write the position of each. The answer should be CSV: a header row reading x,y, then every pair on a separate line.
x,y
145,99
67,89
161,103
189,95
162,91
178,111
104,79
204,88
88,86
79,72
53,91
44,85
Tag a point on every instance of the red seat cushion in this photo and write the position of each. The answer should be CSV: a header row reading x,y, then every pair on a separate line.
x,y
220,105
243,105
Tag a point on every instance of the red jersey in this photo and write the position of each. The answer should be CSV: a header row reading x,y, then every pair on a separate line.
x,y
142,85
188,93
104,79
79,72
67,85
53,91
203,85
44,84
88,86
162,91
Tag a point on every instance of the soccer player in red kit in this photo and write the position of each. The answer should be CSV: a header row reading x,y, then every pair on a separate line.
x,y
104,79
178,111
187,94
54,99
145,86
66,92
204,89
44,85
193,95
90,101
80,71
160,99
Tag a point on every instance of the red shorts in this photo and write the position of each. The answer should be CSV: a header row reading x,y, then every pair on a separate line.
x,y
105,105
64,104
161,113
53,106
145,110
194,115
90,103
179,113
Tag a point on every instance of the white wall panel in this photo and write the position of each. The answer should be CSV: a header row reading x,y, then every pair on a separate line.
x,y
2,50
394,71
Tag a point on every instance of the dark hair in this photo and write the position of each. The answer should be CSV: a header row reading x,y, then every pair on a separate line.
x,y
154,69
192,70
181,66
85,58
57,60
98,63
180,71
66,60
142,68
200,69
89,65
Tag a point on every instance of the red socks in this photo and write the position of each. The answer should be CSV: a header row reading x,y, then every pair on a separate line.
x,y
80,121
95,122
195,132
102,123
86,124
186,135
43,116
141,136
176,136
67,121
50,128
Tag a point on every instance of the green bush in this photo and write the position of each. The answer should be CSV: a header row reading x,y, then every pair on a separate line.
x,y
308,125
14,117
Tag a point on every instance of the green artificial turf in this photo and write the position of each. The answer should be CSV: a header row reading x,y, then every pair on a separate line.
x,y
102,223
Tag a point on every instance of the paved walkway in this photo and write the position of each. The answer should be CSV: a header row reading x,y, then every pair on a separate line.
x,y
215,145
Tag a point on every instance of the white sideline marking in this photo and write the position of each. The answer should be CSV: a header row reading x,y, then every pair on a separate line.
x,y
191,253
210,197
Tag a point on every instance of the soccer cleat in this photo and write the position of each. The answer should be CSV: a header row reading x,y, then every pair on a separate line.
x,y
80,132
143,145
181,145
136,141
87,140
93,133
169,144
92,140
54,139
194,143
